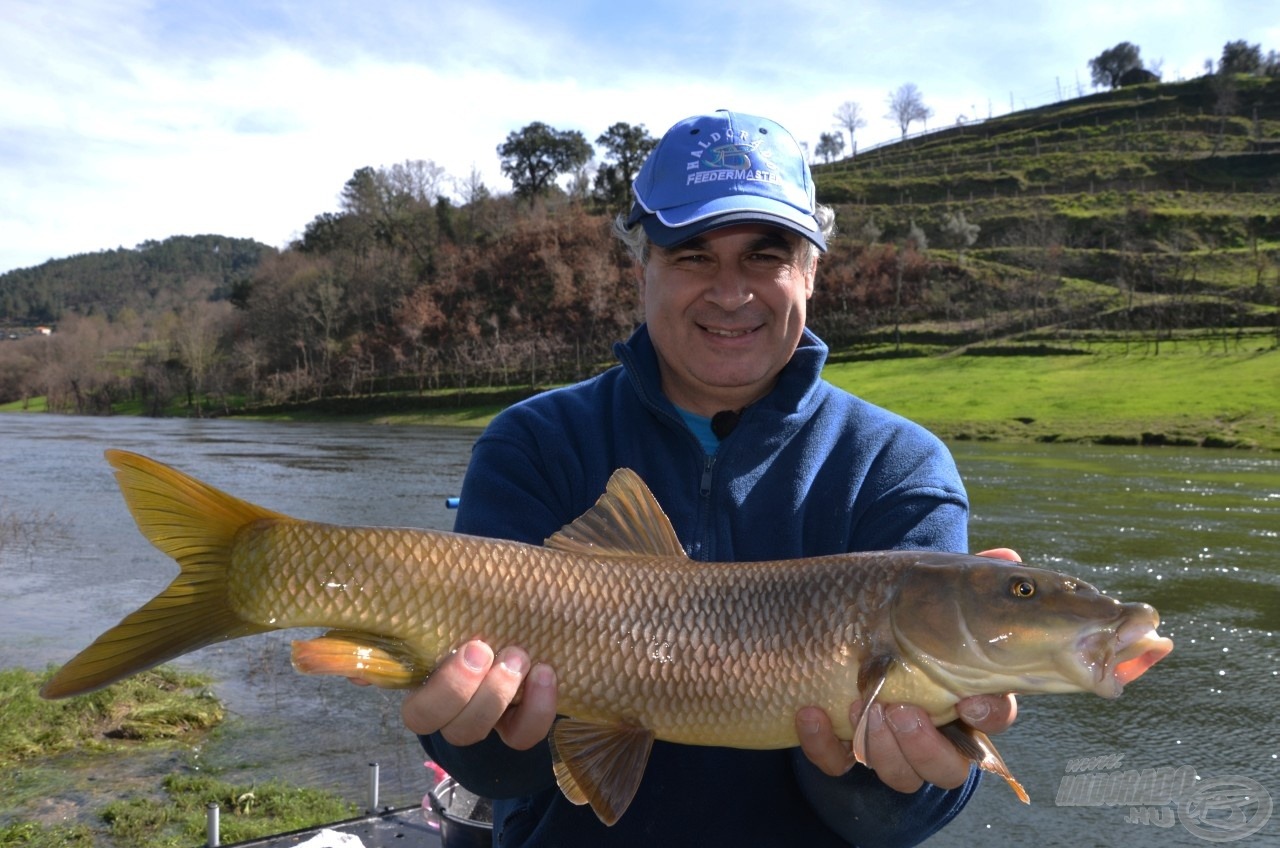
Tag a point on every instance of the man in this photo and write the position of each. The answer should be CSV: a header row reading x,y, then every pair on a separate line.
x,y
719,405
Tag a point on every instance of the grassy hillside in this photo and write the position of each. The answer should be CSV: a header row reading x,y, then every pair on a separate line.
x,y
1099,268
1147,208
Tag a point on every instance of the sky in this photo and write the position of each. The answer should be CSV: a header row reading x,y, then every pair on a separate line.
x,y
123,121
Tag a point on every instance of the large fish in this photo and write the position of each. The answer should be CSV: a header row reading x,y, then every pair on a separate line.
x,y
646,642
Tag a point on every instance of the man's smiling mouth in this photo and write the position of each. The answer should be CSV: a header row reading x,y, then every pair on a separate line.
x,y
728,333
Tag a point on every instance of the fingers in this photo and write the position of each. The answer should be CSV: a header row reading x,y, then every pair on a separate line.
x,y
526,725
902,746
988,713
906,750
466,696
820,743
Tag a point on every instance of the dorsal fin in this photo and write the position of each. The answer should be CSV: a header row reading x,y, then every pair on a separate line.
x,y
625,521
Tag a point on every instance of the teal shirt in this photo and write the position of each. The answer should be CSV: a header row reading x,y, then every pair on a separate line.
x,y
700,426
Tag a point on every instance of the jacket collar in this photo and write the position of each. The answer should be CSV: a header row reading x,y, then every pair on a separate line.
x,y
796,383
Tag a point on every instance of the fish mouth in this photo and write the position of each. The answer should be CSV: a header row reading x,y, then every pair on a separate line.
x,y
1114,656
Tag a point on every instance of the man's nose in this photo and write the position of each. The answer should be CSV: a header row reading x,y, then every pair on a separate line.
x,y
729,290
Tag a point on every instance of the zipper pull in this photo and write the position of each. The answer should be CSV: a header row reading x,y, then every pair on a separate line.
x,y
705,488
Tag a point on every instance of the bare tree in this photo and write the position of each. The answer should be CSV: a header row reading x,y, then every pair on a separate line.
x,y
1225,100
848,116
195,334
959,233
416,180
906,106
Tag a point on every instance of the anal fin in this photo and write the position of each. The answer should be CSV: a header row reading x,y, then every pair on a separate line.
x,y
600,764
384,662
978,747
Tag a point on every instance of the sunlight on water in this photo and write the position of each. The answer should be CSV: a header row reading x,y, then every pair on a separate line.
x,y
1194,533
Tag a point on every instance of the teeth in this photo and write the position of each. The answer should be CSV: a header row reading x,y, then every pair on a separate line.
x,y
728,334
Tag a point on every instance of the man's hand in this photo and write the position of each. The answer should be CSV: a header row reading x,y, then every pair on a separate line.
x,y
473,693
903,746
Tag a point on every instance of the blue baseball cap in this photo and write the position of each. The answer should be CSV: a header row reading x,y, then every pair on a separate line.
x,y
726,168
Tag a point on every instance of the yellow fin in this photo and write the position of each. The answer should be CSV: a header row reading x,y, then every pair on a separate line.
x,y
600,764
195,524
871,676
384,662
860,732
978,747
626,521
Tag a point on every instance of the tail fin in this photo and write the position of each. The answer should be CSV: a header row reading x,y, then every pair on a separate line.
x,y
195,524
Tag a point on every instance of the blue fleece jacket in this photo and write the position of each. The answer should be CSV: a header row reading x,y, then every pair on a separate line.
x,y
808,470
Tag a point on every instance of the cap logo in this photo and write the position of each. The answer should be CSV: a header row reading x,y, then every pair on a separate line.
x,y
740,159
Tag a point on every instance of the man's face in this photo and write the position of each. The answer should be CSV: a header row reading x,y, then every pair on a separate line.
x,y
725,311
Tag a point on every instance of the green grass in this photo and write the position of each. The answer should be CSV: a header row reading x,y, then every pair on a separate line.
x,y
155,705
36,404
61,750
1187,394
245,811
1195,391
177,817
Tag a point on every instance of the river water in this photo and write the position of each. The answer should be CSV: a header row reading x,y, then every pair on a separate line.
x,y
1195,533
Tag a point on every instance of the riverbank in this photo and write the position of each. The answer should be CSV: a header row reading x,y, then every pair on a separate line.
x,y
1215,393
1183,395
53,756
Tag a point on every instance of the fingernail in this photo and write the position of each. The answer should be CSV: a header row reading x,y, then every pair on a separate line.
x,y
876,720
513,662
975,711
541,675
904,719
808,726
474,656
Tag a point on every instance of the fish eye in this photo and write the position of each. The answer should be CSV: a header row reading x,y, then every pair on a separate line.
x,y
1022,587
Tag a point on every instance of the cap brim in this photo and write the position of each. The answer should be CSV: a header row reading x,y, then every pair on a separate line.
x,y
666,235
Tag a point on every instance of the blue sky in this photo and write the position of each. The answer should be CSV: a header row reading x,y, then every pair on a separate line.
x,y
126,120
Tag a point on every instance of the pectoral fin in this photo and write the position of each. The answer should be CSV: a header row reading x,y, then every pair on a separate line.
x,y
977,746
383,662
871,679
600,764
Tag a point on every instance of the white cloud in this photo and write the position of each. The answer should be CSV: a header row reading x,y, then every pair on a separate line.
x,y
128,120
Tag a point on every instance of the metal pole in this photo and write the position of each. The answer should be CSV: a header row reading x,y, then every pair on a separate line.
x,y
211,824
373,788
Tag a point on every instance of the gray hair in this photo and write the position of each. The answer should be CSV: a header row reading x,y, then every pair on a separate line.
x,y
636,240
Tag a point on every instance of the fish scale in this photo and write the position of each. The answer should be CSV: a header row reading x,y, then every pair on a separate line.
x,y
724,659
646,643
